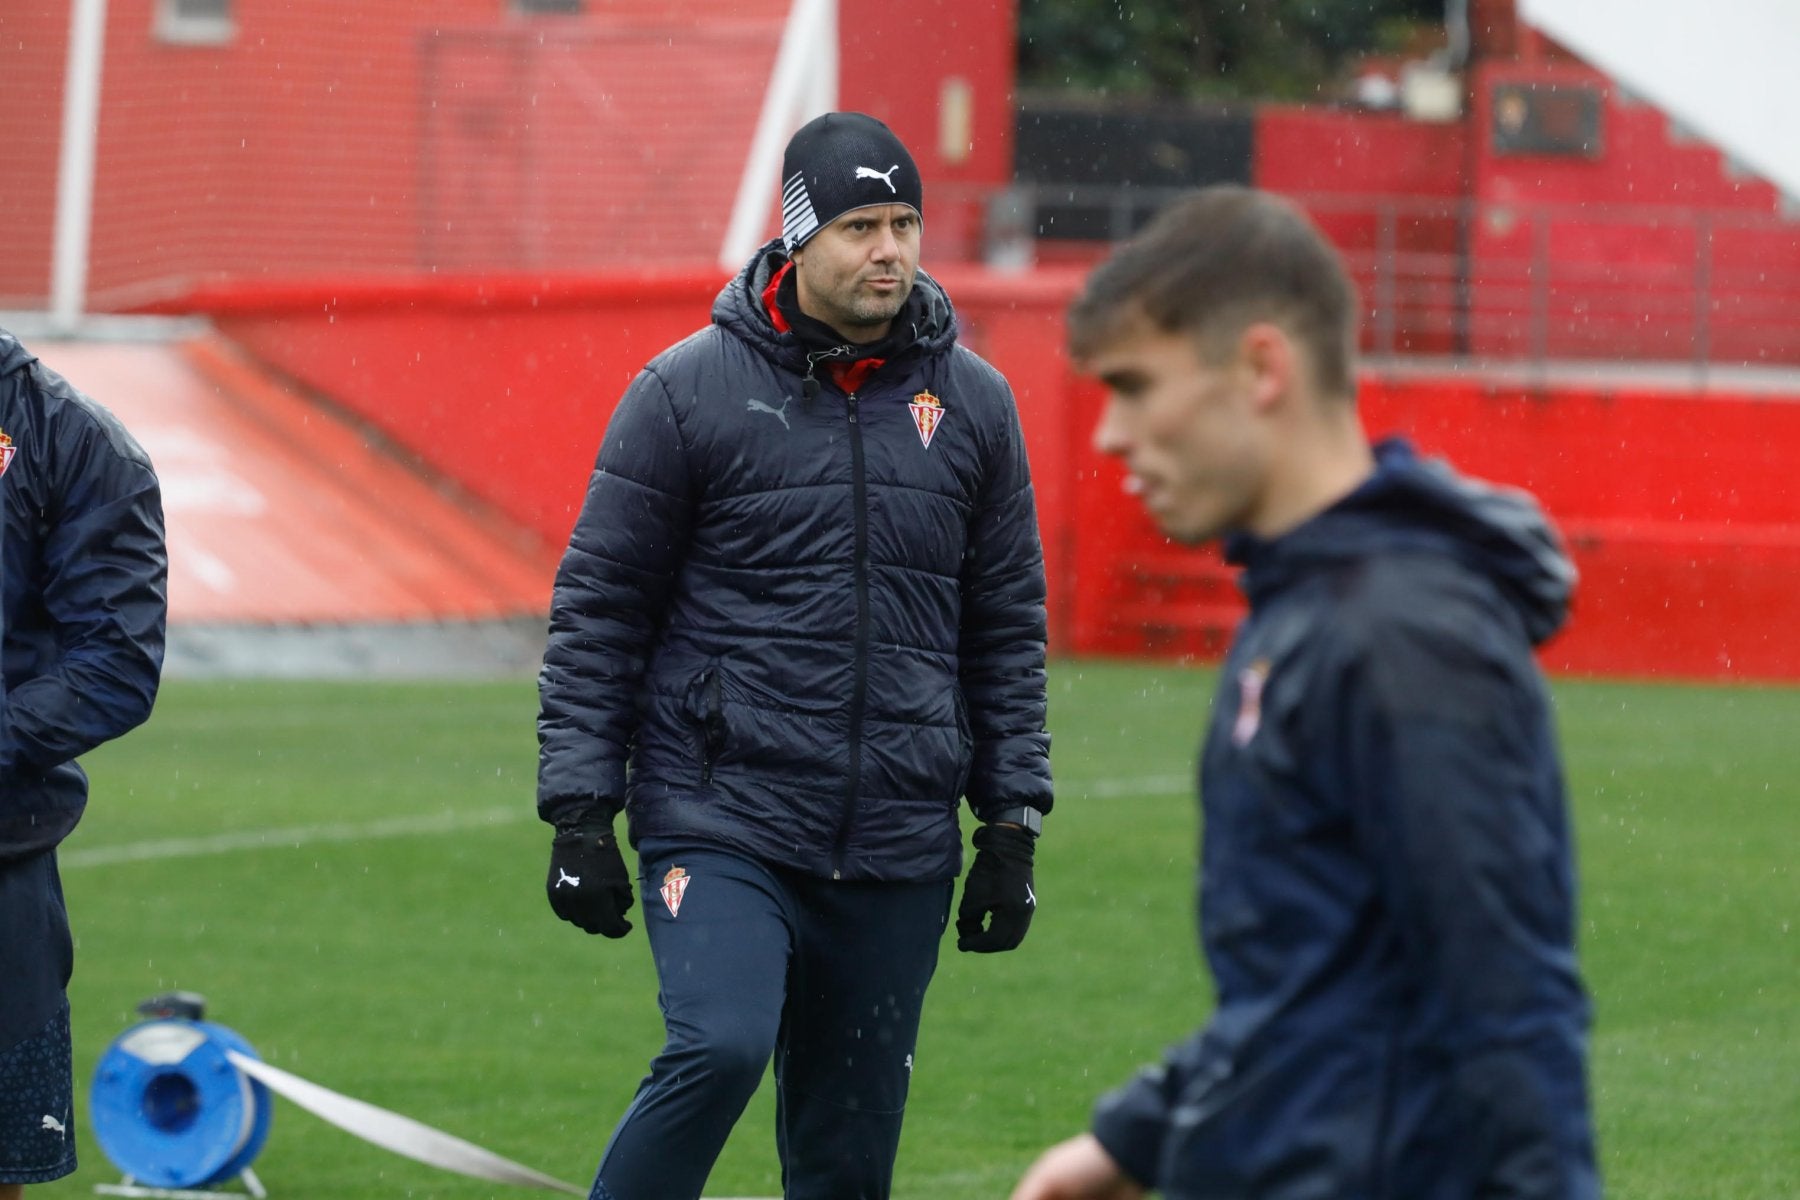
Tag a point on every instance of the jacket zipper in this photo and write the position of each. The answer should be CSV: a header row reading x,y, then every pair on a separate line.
x,y
859,686
711,723
1379,1181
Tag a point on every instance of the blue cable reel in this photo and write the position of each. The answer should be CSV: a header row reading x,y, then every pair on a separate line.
x,y
169,1108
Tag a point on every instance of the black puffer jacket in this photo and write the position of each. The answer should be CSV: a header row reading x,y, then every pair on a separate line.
x,y
1387,888
83,595
807,626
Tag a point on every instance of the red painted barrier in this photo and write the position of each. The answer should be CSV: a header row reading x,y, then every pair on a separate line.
x,y
1676,507
1679,509
1676,503
503,384
279,515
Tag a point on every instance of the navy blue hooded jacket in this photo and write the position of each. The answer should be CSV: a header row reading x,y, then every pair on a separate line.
x,y
83,587
809,625
1387,888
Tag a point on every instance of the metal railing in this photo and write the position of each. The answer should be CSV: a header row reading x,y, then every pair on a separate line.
x,y
1706,289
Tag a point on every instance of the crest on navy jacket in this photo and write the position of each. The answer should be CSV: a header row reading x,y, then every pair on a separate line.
x,y
927,414
7,450
1250,690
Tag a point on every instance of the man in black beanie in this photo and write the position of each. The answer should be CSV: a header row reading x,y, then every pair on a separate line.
x,y
803,606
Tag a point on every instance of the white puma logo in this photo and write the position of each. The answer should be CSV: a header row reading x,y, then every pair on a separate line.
x,y
571,880
1030,897
872,173
778,413
54,1125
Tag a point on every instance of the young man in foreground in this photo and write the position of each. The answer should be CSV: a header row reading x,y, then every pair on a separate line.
x,y
1387,885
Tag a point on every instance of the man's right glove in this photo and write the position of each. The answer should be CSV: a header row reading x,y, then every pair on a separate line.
x,y
588,883
998,890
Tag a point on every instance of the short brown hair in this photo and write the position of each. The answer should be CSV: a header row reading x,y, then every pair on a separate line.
x,y
1214,262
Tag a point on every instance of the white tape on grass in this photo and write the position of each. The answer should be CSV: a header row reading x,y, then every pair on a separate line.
x,y
391,1131
294,837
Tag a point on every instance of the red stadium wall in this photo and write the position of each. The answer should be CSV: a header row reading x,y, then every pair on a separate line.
x,y
1418,168
1679,509
1623,241
33,51
242,154
1659,250
1313,150
459,135
940,73
504,385
1677,505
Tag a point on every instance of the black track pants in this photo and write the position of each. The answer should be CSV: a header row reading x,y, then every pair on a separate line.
x,y
826,977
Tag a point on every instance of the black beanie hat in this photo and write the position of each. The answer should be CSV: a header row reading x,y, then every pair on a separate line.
x,y
838,162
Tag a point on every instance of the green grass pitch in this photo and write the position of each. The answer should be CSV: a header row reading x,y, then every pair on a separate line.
x,y
352,875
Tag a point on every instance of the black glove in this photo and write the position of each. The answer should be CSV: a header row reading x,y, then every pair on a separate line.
x,y
588,883
998,887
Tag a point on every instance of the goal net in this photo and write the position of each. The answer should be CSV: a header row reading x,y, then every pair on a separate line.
x,y
273,142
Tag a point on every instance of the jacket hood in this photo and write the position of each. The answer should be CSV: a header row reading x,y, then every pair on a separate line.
x,y
1415,503
12,354
739,309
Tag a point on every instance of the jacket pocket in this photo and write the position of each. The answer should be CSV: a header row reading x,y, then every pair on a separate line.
x,y
706,707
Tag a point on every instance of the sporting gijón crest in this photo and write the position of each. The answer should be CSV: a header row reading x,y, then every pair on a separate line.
x,y
674,887
7,450
927,415
1251,681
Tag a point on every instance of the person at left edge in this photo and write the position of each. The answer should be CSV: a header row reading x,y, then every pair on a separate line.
x,y
83,577
804,601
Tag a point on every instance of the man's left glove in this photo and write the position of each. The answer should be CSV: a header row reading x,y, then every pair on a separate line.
x,y
588,883
997,891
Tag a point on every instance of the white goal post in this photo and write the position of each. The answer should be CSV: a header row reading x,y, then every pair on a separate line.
x,y
803,85
75,166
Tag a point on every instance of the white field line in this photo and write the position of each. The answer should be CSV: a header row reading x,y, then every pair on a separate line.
x,y
1114,789
291,837
295,836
